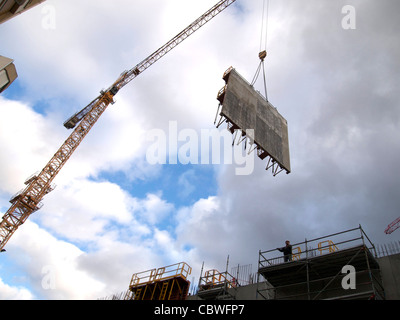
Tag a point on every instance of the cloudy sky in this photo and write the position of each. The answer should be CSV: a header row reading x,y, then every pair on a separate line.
x,y
113,213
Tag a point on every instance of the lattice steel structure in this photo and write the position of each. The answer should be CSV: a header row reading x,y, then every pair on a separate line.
x,y
393,226
29,200
215,285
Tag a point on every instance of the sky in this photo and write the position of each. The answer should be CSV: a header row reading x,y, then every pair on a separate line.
x,y
332,72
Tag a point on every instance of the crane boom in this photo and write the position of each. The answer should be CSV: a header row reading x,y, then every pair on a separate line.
x,y
128,76
393,226
29,200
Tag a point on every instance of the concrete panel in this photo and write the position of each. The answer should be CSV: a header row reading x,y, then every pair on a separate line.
x,y
246,109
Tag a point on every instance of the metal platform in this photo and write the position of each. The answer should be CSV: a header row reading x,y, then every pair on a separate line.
x,y
166,283
314,268
318,273
215,285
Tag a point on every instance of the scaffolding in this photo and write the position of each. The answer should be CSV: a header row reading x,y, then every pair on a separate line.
x,y
215,285
166,283
315,269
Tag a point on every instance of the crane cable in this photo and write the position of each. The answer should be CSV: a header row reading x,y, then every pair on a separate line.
x,y
263,53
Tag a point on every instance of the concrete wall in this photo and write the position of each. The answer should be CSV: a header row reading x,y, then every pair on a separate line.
x,y
248,292
390,271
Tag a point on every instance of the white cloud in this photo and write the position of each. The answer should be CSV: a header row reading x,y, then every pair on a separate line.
x,y
186,183
204,226
13,293
51,265
83,209
25,142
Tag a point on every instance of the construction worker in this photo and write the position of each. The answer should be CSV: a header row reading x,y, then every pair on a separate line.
x,y
234,282
287,251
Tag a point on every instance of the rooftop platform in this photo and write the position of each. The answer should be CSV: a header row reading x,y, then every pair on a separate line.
x,y
166,283
317,273
215,285
323,266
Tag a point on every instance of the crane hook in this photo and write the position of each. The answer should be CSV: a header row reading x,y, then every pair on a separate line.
x,y
262,55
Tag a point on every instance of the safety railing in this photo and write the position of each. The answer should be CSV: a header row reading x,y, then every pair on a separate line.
x,y
214,279
181,269
318,246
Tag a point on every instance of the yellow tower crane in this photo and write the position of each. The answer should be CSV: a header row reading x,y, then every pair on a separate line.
x,y
29,200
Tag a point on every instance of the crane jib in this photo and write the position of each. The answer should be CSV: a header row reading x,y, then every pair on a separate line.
x,y
128,76
28,201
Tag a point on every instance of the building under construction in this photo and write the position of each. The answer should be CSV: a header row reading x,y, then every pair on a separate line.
x,y
318,269
11,8
315,269
8,73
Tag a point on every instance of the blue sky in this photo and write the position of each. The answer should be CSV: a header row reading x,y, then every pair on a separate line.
x,y
113,213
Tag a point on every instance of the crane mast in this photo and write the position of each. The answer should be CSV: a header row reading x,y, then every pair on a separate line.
x,y
28,201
